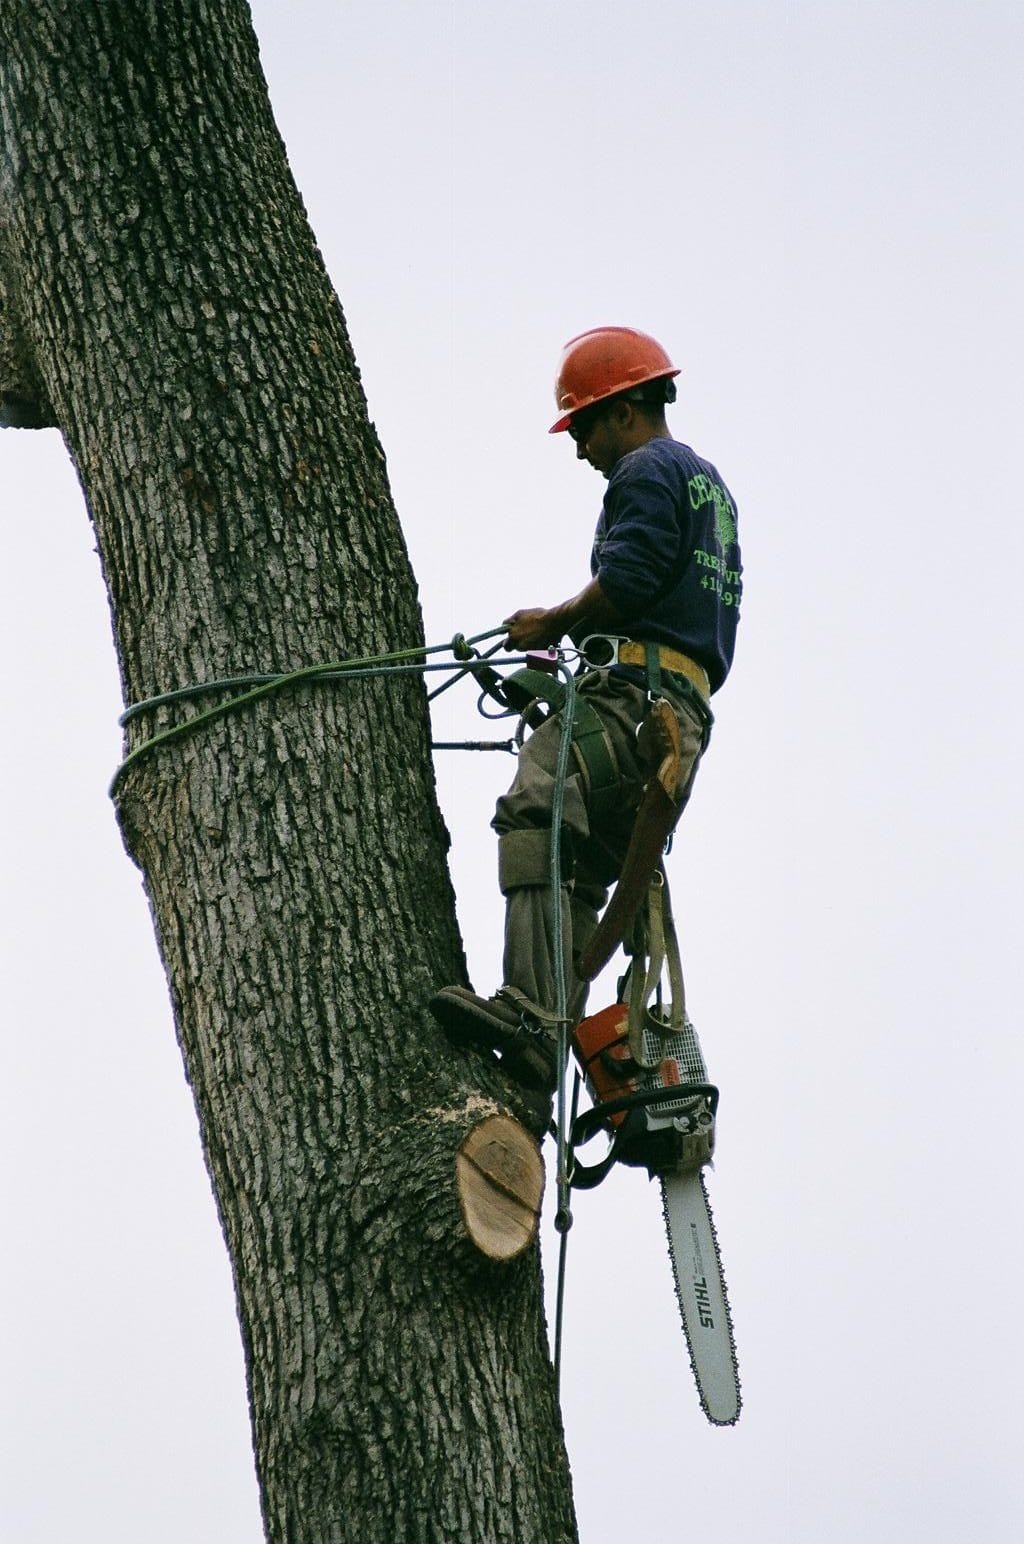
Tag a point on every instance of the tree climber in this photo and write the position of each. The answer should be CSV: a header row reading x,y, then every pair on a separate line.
x,y
663,601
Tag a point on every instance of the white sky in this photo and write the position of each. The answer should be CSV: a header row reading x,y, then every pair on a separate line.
x,y
816,207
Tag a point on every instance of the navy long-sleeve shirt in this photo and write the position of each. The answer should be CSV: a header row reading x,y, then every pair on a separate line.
x,y
667,555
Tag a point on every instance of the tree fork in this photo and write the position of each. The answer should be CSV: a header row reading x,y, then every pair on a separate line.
x,y
164,303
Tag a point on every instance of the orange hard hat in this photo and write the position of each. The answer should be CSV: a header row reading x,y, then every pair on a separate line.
x,y
601,363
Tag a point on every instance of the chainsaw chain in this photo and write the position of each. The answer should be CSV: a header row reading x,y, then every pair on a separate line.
x,y
725,1299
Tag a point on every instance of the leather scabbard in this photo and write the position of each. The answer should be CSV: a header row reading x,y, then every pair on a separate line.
x,y
660,808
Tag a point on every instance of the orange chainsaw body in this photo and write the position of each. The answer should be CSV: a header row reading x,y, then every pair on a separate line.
x,y
602,1050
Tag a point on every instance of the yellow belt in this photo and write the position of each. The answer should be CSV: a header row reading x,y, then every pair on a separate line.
x,y
668,659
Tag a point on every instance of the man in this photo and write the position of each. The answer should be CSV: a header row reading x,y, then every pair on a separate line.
x,y
665,575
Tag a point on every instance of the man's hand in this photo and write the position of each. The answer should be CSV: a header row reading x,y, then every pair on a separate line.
x,y
536,628
533,628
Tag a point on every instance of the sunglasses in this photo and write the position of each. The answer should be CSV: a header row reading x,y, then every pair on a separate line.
x,y
581,423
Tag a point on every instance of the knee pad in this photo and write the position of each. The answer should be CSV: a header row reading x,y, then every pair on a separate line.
x,y
524,858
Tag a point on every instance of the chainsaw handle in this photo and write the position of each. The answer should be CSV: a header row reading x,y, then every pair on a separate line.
x,y
587,1125
587,1176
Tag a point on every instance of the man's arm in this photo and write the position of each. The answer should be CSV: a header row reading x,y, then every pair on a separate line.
x,y
537,628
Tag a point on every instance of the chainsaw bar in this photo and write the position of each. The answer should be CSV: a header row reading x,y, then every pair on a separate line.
x,y
700,1288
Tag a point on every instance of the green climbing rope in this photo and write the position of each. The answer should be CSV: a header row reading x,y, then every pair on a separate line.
x,y
262,685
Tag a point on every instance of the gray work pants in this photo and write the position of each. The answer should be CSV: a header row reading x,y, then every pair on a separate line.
x,y
594,840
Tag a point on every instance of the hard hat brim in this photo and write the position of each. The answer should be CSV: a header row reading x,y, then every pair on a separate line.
x,y
561,424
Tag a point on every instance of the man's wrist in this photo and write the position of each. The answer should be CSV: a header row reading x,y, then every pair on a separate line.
x,y
563,619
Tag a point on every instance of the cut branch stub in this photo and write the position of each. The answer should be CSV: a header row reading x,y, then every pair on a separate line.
x,y
499,1175
23,403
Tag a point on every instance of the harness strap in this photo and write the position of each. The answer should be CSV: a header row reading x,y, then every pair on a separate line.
x,y
672,662
528,1008
652,660
675,965
591,743
644,974
661,948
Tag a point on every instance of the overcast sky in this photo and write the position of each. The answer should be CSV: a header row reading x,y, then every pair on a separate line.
x,y
817,208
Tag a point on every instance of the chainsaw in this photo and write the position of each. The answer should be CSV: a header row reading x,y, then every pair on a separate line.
x,y
645,1073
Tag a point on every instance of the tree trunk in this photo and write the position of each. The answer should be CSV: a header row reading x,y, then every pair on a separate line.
x,y
164,303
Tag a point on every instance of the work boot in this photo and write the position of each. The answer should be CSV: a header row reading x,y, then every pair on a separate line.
x,y
526,1048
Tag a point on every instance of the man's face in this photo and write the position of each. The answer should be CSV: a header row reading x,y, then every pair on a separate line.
x,y
597,436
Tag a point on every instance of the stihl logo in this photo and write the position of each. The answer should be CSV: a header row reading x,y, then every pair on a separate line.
x,y
703,1296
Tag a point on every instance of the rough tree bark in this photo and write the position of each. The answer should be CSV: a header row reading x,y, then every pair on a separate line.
x,y
162,300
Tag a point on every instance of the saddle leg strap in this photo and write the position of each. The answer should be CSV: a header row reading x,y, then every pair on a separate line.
x,y
595,755
591,743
